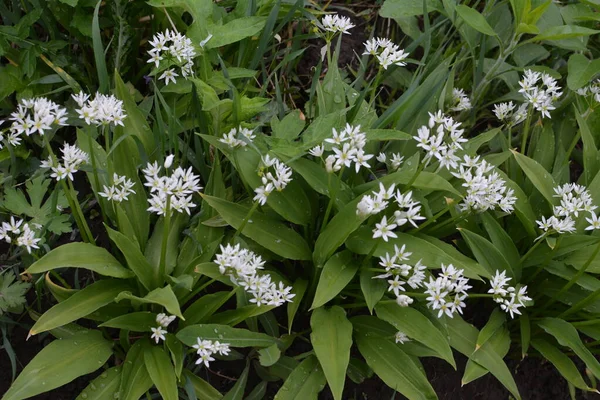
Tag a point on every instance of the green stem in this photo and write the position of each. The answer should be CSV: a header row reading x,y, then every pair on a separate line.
x,y
431,220
96,179
375,84
415,176
526,131
73,202
165,240
245,220
571,282
333,194
535,245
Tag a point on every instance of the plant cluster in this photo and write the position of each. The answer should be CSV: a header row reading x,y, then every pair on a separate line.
x,y
211,208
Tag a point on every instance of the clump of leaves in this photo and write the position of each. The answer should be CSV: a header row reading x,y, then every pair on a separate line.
x,y
12,292
45,213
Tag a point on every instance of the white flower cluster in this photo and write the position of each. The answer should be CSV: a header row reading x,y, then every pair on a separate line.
x,y
591,91
270,182
441,139
540,90
242,266
101,110
448,291
163,320
72,158
347,146
574,199
486,190
34,115
176,49
508,297
335,24
408,210
460,100
238,137
505,112
119,190
206,348
401,337
386,52
401,273
22,232
176,189
395,161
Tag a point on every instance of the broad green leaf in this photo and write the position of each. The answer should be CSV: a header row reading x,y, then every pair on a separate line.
x,y
140,321
204,307
266,231
561,361
237,391
581,71
59,363
291,203
79,305
372,289
103,387
161,372
331,338
503,242
299,289
591,158
463,337
425,181
567,336
203,389
416,326
318,178
304,383
475,20
337,231
234,31
392,365
496,321
541,179
407,8
163,296
381,135
136,261
269,355
81,255
289,127
223,333
337,272
433,253
358,371
239,315
563,32
154,247
486,253
135,123
259,392
499,343
177,353
135,380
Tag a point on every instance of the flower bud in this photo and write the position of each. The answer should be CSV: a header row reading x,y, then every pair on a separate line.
x,y
169,161
404,301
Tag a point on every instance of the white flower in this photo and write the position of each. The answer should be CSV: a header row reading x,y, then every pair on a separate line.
x,y
101,110
158,334
27,239
335,24
164,320
238,137
386,52
447,292
403,300
317,151
72,158
169,75
461,101
242,267
37,115
401,337
384,230
177,50
575,199
594,222
176,189
120,189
